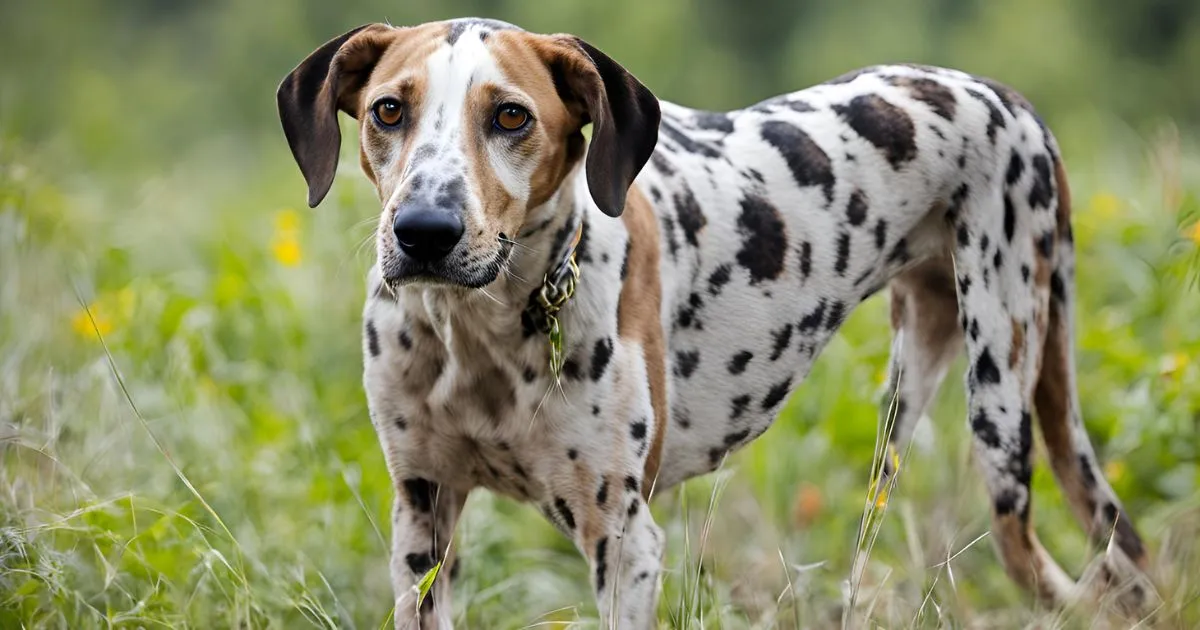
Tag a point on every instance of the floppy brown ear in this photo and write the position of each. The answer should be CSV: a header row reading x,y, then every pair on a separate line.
x,y
624,116
310,96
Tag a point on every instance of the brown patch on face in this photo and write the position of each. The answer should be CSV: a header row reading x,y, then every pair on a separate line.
x,y
639,317
400,73
1018,344
498,206
527,60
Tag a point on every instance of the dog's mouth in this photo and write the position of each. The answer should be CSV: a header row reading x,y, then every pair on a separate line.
x,y
466,271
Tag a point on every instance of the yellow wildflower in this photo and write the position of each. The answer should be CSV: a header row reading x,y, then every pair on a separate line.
x,y
285,245
1195,233
107,311
1104,205
287,251
287,220
82,324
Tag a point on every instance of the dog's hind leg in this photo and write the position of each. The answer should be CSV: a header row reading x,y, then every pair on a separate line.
x,y
1004,310
1057,402
925,340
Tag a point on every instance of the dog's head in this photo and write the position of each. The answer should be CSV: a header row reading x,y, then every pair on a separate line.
x,y
464,127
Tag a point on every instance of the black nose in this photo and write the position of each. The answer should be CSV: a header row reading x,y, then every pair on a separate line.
x,y
426,232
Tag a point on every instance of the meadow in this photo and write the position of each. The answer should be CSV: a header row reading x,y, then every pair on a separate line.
x,y
184,440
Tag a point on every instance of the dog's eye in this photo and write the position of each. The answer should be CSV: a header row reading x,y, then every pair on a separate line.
x,y
388,112
510,117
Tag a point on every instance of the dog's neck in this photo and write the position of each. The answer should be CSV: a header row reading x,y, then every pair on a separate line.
x,y
541,245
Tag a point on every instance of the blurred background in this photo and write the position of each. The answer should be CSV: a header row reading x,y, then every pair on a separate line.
x,y
183,436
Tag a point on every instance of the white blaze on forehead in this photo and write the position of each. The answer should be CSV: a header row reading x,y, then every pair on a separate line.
x,y
453,71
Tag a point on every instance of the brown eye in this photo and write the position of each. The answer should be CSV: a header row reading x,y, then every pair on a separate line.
x,y
511,117
388,112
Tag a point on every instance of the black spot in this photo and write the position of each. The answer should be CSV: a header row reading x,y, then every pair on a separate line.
x,y
1006,502
564,512
688,144
995,116
964,236
571,369
956,202
601,562
764,242
714,121
595,410
964,285
1046,244
737,364
718,279
686,316
811,322
520,470
986,370
805,259
856,210
1057,288
372,339
633,507
625,262
880,234
974,329
843,254
400,422
739,404
638,430
899,254
1025,273
1016,166
998,260
529,374
715,455
686,363
734,438
937,96
1040,193
405,340
809,164
776,394
836,314
602,493
985,429
601,354
883,125
631,483
420,493
691,219
572,454
783,338
663,166
420,563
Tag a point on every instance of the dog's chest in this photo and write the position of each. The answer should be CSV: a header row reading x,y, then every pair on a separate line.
x,y
474,406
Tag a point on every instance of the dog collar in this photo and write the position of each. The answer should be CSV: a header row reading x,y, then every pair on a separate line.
x,y
558,286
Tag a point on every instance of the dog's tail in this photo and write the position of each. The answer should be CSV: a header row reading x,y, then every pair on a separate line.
x,y
1056,399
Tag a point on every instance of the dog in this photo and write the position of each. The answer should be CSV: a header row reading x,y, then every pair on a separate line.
x,y
580,323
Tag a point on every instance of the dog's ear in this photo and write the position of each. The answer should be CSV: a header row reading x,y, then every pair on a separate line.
x,y
310,96
623,112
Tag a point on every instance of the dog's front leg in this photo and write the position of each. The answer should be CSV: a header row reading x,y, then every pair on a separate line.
x,y
626,558
423,520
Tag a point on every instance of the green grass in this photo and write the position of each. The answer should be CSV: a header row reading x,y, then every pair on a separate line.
x,y
206,460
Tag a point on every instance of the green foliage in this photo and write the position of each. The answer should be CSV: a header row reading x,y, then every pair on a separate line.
x,y
210,464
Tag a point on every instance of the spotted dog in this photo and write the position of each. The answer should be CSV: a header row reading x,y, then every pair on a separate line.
x,y
579,324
